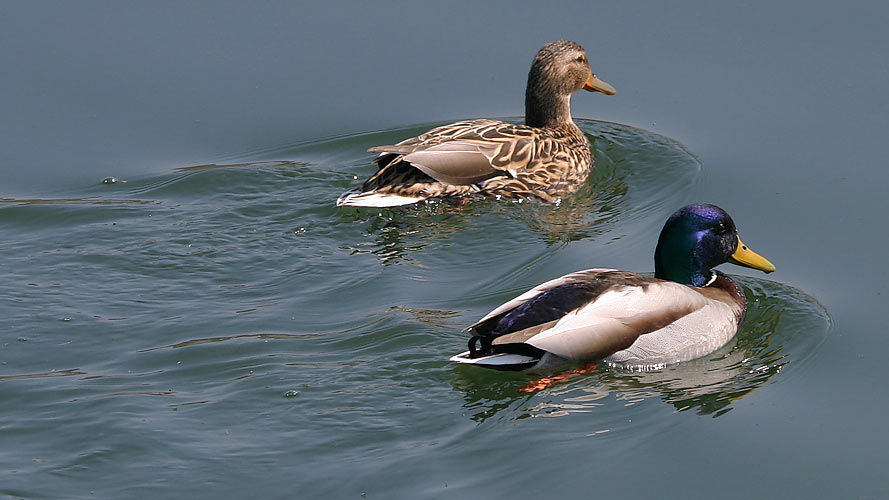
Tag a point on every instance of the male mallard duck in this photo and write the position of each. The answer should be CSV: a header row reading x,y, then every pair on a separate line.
x,y
546,158
686,311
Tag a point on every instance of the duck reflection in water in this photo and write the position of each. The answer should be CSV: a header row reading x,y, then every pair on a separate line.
x,y
395,234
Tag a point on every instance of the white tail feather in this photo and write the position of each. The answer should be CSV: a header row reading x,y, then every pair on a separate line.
x,y
503,360
377,200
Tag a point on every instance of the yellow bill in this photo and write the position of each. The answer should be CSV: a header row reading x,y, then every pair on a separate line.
x,y
746,257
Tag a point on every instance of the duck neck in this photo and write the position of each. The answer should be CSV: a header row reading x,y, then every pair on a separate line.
x,y
550,113
675,259
546,105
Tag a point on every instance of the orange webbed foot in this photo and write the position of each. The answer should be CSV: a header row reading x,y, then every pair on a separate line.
x,y
546,382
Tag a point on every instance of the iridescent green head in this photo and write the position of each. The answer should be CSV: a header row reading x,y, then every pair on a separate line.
x,y
698,238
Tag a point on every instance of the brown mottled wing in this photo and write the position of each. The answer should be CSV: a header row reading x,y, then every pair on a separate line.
x,y
467,152
456,162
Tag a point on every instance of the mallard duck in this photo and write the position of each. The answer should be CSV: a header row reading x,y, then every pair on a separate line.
x,y
546,158
686,311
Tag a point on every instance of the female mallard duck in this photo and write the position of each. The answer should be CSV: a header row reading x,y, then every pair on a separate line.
x,y
546,158
686,311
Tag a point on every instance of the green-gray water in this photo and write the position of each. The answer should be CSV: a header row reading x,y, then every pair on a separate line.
x,y
211,325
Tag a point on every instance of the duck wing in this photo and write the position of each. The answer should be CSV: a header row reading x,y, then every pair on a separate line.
x,y
487,323
466,152
617,319
587,315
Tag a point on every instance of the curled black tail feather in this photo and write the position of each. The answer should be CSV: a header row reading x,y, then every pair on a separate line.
x,y
485,344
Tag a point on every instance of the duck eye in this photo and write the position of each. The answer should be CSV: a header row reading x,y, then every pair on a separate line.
x,y
580,59
721,229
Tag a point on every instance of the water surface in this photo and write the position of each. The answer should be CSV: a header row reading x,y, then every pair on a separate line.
x,y
238,294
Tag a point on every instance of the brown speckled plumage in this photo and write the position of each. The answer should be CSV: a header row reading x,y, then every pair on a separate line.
x,y
545,159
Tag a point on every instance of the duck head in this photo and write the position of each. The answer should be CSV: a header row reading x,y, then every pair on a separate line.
x,y
559,69
698,238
